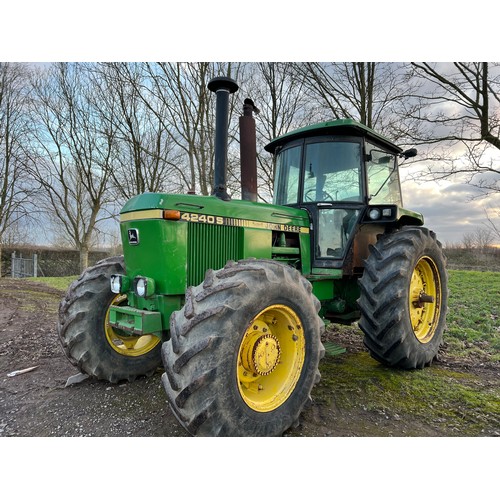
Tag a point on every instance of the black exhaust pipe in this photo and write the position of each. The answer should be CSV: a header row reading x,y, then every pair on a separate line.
x,y
222,86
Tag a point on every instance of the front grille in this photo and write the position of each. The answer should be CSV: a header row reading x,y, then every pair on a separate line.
x,y
210,247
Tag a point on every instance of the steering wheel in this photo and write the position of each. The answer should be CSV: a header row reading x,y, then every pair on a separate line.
x,y
326,196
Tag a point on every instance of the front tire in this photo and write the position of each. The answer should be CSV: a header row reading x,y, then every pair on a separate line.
x,y
404,298
244,351
89,342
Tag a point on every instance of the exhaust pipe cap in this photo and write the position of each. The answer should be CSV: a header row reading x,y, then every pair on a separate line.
x,y
222,83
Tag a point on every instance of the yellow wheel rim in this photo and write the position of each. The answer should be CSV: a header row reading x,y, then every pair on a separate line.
x,y
271,358
127,345
425,299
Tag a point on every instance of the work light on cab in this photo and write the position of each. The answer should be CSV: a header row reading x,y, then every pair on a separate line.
x,y
374,214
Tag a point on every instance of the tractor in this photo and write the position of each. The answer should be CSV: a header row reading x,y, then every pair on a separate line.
x,y
230,298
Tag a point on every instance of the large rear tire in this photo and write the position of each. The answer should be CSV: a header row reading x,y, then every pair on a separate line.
x,y
404,298
244,351
89,342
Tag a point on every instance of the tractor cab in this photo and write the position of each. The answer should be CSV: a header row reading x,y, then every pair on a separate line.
x,y
346,176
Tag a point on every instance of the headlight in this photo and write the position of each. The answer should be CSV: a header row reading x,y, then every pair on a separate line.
x,y
374,214
141,287
144,287
119,283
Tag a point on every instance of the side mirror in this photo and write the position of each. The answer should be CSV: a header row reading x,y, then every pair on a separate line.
x,y
409,153
384,160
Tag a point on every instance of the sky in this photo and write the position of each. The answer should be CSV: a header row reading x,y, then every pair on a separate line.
x,y
453,208
96,31
450,209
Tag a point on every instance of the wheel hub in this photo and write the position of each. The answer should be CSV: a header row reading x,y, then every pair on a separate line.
x,y
260,352
265,354
424,295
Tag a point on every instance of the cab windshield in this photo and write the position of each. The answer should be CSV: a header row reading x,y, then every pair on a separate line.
x,y
332,172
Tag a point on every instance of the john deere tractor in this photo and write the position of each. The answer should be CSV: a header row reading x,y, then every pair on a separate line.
x,y
233,295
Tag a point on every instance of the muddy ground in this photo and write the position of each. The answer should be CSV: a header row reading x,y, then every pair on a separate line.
x,y
37,403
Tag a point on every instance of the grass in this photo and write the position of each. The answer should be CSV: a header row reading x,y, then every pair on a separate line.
x,y
61,283
448,401
473,322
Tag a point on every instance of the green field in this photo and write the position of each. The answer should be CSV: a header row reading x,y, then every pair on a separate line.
x,y
473,325
457,396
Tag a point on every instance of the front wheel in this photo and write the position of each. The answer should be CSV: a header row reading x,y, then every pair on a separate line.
x,y
90,342
244,351
404,298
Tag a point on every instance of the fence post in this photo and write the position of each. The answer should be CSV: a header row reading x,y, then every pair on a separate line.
x,y
35,265
12,263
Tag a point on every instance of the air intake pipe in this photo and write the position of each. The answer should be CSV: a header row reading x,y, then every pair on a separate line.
x,y
222,86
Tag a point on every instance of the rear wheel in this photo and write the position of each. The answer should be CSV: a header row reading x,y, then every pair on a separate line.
x,y
404,298
87,338
244,351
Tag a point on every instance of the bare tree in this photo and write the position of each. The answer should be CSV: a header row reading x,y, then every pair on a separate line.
x,y
143,152
468,241
177,93
15,186
480,239
72,153
484,238
462,108
491,224
374,93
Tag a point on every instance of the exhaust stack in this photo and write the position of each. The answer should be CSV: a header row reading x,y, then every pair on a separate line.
x,y
248,151
222,86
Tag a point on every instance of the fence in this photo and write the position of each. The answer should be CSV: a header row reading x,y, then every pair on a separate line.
x,y
50,261
24,268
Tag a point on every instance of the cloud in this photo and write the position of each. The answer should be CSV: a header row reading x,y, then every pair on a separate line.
x,y
450,210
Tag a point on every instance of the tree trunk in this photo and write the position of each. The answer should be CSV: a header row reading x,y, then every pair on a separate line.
x,y
84,258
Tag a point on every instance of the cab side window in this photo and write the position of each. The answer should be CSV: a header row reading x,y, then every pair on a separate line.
x,y
383,176
286,187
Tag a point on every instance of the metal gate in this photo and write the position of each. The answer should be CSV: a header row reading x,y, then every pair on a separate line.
x,y
24,268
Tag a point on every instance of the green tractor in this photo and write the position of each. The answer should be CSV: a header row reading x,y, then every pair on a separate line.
x,y
233,295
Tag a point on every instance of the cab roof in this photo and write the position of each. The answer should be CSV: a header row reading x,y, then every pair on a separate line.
x,y
345,126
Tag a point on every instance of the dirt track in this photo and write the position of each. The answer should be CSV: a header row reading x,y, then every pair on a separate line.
x,y
37,403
